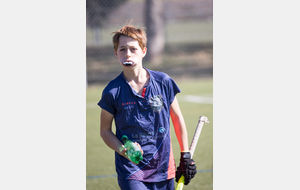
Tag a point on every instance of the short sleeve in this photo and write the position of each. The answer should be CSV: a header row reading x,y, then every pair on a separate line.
x,y
173,89
107,102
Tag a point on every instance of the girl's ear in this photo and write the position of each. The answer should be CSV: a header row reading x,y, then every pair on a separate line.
x,y
144,51
116,53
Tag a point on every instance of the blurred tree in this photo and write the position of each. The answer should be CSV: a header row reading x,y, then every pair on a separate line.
x,y
97,12
154,21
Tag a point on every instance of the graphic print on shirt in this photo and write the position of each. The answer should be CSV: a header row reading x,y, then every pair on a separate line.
x,y
156,103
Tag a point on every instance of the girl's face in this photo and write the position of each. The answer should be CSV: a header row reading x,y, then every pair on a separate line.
x,y
129,53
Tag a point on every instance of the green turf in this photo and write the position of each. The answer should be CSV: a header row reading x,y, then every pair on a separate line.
x,y
100,158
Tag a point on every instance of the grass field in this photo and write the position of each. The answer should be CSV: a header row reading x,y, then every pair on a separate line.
x,y
100,167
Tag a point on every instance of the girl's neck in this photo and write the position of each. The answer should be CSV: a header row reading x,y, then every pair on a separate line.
x,y
137,76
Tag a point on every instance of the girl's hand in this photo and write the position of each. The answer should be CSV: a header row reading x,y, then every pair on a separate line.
x,y
139,147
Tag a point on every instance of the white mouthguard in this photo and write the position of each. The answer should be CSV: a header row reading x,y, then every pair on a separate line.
x,y
127,63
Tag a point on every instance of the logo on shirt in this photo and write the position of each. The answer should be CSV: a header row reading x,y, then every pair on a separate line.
x,y
161,129
128,103
156,103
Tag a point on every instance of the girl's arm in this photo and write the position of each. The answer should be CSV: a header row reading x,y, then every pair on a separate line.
x,y
107,135
179,126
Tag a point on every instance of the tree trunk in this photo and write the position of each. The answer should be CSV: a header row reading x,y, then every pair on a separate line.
x,y
155,31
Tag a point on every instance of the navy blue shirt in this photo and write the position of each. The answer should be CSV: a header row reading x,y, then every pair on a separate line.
x,y
145,119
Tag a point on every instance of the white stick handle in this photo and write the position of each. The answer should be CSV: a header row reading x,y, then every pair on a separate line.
x,y
202,120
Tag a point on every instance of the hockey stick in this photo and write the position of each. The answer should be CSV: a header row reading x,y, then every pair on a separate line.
x,y
202,120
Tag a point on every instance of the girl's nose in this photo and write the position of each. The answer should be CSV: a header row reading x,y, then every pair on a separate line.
x,y
128,53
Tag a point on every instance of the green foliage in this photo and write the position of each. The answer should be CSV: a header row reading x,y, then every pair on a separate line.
x,y
100,158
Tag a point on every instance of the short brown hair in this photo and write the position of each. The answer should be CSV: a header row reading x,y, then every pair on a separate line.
x,y
129,30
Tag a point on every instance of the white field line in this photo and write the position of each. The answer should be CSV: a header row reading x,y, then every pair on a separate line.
x,y
187,98
197,99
